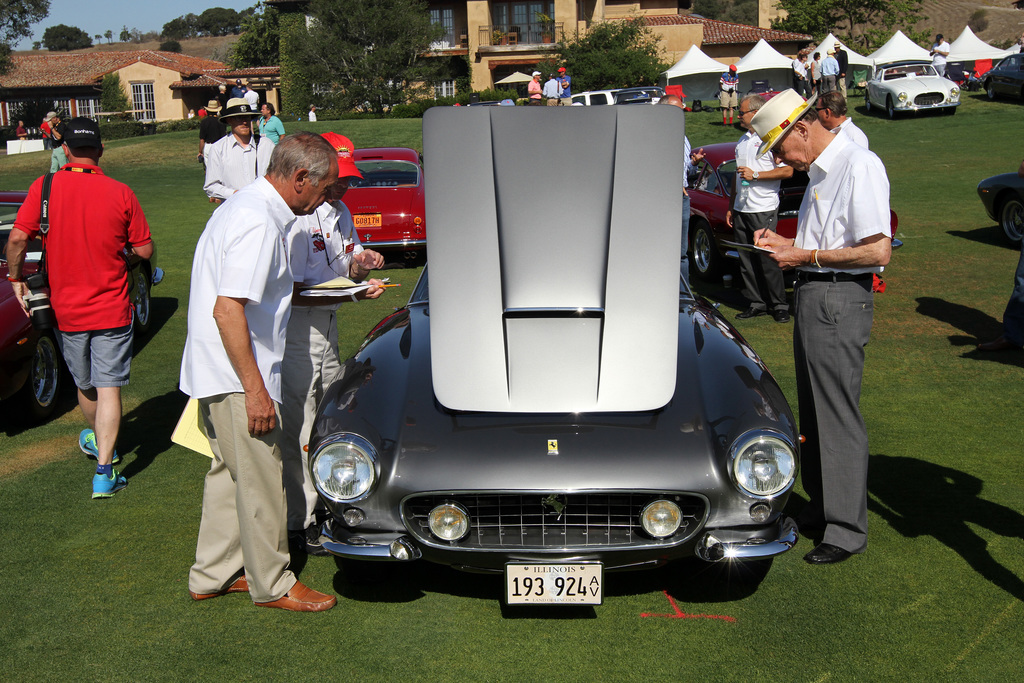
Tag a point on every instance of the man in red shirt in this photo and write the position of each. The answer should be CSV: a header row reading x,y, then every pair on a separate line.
x,y
95,223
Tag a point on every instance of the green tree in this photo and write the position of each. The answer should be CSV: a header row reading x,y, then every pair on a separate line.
x,y
126,35
170,46
260,42
219,21
369,53
185,26
109,35
864,24
16,16
737,11
62,37
113,98
613,54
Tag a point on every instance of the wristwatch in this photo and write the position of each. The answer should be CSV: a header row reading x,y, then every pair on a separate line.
x,y
755,175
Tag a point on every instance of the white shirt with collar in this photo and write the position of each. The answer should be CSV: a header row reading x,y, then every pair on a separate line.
x,y
855,134
321,245
242,253
755,196
253,98
230,166
800,68
937,59
846,201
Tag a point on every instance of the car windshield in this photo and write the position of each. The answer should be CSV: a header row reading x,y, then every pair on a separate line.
x,y
909,71
386,173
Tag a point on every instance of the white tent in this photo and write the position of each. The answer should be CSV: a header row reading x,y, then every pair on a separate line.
x,y
765,63
969,47
898,49
830,41
697,73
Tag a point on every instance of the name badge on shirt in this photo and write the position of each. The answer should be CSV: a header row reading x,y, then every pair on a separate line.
x,y
350,247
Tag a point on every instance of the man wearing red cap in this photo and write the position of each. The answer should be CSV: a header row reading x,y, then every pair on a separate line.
x,y
321,247
727,87
565,83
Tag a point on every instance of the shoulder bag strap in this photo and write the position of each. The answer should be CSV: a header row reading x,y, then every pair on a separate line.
x,y
44,216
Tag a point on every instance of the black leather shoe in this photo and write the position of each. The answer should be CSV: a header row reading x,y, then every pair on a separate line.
x,y
751,313
826,553
781,316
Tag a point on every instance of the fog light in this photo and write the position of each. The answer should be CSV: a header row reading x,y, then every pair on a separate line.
x,y
760,512
449,522
400,549
661,518
353,516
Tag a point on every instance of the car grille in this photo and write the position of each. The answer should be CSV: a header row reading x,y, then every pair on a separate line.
x,y
929,99
534,520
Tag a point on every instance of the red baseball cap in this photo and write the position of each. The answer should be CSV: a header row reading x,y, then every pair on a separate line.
x,y
561,69
732,67
344,147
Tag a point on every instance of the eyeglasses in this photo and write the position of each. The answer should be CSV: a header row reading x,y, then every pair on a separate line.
x,y
749,111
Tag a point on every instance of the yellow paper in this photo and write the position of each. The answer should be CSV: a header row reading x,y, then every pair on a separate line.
x,y
190,432
339,282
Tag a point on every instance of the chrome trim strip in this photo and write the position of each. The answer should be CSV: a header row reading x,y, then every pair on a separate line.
x,y
710,549
399,243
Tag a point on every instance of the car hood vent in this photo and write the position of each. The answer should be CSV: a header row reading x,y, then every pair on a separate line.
x,y
554,256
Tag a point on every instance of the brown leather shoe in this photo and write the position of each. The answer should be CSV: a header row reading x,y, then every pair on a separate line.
x,y
1000,343
240,585
302,598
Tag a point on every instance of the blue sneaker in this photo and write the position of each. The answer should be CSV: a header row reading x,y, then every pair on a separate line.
x,y
106,487
87,442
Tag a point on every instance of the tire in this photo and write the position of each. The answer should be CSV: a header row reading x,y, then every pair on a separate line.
x,y
142,296
949,111
890,110
867,102
42,389
1011,218
705,260
990,89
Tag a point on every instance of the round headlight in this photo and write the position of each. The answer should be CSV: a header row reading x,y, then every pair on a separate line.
x,y
763,464
343,468
449,521
902,97
954,93
661,518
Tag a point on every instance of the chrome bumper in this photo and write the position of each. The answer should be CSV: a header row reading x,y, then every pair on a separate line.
x,y
715,546
398,549
396,244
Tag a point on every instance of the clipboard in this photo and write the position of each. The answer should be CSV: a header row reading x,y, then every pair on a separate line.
x,y
747,247
190,431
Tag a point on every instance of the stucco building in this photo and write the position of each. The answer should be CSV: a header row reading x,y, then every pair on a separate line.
x,y
161,86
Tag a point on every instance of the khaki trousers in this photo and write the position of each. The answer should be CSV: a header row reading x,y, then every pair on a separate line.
x,y
243,522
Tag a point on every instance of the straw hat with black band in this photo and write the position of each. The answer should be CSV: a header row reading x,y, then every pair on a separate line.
x,y
213,106
776,117
237,106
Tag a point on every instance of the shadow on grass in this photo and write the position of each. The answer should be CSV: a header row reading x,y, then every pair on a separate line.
x,y
146,430
992,236
978,326
941,504
160,310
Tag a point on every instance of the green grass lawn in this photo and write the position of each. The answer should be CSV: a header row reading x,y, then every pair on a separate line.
x,y
98,590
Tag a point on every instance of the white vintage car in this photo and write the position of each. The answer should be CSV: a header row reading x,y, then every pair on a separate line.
x,y
910,86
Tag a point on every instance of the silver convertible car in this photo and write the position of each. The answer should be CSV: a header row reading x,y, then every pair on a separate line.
x,y
908,87
550,407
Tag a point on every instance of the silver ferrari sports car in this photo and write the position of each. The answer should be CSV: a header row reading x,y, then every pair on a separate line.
x,y
551,406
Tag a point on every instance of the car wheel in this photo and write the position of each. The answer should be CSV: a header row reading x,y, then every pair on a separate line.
x,y
42,388
990,89
1011,219
890,110
704,255
867,102
142,301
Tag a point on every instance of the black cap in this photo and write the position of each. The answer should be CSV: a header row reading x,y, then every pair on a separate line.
x,y
82,132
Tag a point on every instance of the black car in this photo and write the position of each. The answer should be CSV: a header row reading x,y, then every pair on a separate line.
x,y
552,406
1006,78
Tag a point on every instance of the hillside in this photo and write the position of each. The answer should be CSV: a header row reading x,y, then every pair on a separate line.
x,y
214,47
950,16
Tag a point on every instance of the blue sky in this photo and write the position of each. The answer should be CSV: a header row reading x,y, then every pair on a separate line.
x,y
96,17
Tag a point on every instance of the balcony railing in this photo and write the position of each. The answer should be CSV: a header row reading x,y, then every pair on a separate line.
x,y
451,40
521,34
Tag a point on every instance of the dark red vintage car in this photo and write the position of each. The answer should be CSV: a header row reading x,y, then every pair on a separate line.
x,y
31,366
710,197
387,205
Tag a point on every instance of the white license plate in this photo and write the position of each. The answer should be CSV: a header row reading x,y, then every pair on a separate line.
x,y
554,584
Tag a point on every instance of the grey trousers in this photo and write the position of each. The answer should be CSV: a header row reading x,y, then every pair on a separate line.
x,y
763,282
310,365
243,523
833,325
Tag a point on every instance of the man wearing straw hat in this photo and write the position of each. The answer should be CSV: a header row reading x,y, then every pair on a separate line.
x,y
842,238
211,129
237,159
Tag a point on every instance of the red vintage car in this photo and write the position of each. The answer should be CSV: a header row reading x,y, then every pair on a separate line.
x,y
31,366
710,197
387,204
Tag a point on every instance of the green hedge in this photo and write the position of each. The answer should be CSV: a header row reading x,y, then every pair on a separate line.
x,y
119,130
415,110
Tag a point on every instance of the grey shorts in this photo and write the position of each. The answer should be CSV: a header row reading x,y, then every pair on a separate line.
x,y
99,358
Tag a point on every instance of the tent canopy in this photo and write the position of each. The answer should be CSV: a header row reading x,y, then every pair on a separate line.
x,y
969,47
697,73
830,41
517,77
898,49
765,63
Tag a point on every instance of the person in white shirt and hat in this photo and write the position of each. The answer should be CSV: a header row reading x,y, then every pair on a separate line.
x,y
843,237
